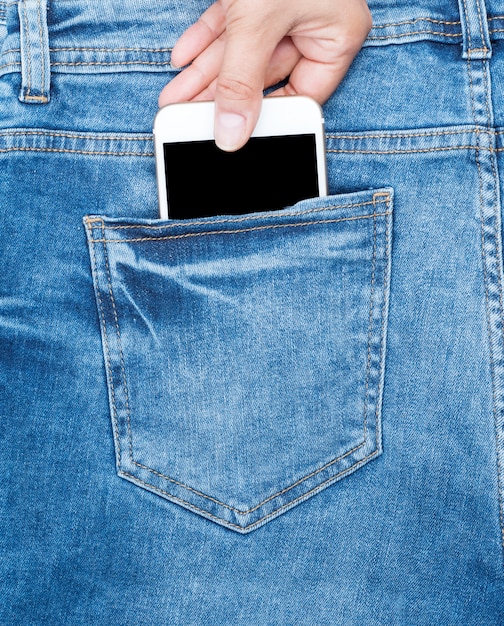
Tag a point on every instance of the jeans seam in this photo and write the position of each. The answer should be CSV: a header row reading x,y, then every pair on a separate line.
x,y
265,517
480,24
468,33
370,326
418,19
76,135
28,45
496,182
486,280
240,230
405,151
392,135
107,63
41,38
90,49
419,32
238,219
108,364
121,354
384,317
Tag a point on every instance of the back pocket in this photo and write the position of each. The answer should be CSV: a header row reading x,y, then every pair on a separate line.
x,y
245,355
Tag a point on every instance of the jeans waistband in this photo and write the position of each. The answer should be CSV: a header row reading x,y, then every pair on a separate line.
x,y
38,37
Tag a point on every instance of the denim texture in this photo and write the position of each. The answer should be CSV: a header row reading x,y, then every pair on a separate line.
x,y
188,409
259,336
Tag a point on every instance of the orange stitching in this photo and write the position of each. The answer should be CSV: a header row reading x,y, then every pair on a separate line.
x,y
418,19
405,135
89,152
70,64
205,513
108,364
242,230
230,220
407,150
37,98
121,355
69,135
381,194
89,49
419,32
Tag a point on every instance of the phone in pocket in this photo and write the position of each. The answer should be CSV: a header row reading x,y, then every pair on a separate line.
x,y
282,163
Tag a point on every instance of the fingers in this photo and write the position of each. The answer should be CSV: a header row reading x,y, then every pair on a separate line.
x,y
239,88
199,80
199,36
239,47
283,61
315,79
196,78
327,53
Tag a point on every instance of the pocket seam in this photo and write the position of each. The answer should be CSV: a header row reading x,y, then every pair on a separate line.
x,y
250,216
241,230
273,513
95,221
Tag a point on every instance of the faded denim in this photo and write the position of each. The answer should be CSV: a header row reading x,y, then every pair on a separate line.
x,y
283,418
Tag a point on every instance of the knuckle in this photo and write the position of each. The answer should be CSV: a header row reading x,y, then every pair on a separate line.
x,y
350,40
353,32
208,28
234,88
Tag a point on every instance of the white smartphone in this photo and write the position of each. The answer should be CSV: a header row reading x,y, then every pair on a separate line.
x,y
282,163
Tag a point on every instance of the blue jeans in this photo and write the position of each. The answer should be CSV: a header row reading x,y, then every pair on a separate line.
x,y
282,418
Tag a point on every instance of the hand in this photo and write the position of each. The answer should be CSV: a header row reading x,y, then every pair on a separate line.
x,y
240,47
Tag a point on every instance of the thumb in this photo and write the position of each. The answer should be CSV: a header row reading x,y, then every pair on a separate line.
x,y
239,87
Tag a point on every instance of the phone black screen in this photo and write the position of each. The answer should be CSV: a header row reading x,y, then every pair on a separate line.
x,y
268,173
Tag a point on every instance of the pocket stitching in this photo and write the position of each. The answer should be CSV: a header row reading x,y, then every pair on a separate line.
x,y
108,367
236,231
384,197
259,521
230,220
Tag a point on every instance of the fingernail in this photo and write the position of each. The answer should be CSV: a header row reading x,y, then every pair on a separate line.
x,y
229,130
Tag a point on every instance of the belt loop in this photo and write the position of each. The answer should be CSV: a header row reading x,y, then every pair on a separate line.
x,y
35,63
474,22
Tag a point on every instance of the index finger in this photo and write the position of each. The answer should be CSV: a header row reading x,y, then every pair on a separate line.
x,y
314,78
199,36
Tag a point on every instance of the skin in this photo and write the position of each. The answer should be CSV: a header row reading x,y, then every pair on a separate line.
x,y
238,48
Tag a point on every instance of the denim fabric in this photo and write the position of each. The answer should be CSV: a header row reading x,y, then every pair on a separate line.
x,y
287,418
259,336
